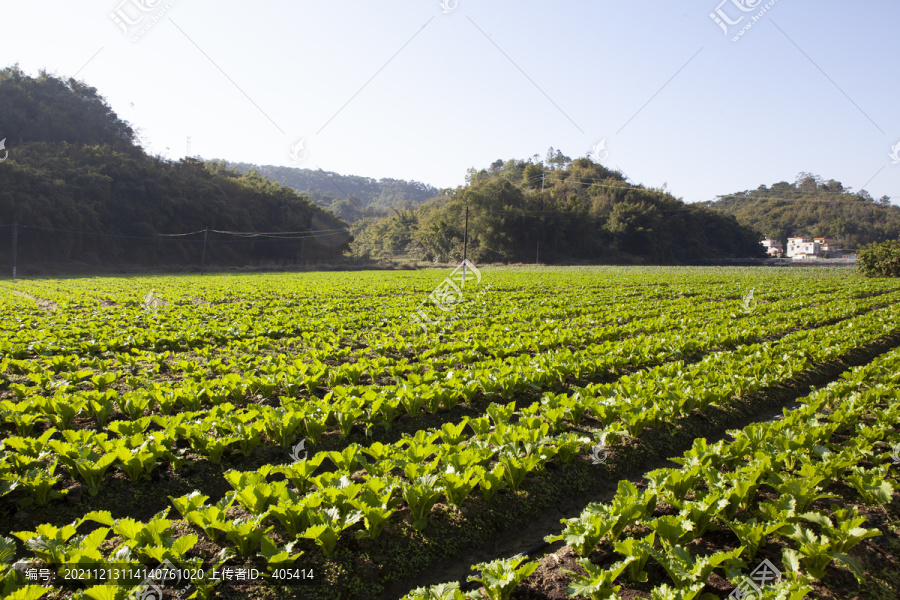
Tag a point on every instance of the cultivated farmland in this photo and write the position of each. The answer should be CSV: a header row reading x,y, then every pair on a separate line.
x,y
316,436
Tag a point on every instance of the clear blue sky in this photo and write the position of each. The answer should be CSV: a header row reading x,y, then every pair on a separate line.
x,y
394,88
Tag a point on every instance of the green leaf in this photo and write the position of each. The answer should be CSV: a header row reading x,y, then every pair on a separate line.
x,y
29,592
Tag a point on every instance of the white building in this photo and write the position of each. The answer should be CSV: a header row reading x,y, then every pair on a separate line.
x,y
800,248
773,247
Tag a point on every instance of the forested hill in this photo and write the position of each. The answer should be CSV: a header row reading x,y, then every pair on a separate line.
x,y
81,189
559,210
348,196
813,207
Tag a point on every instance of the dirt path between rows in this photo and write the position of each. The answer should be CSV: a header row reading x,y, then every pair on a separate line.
x,y
42,303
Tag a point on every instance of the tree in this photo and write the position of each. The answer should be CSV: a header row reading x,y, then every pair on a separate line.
x,y
880,260
533,176
586,213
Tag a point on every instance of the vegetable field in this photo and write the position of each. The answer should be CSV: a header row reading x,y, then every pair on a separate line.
x,y
591,433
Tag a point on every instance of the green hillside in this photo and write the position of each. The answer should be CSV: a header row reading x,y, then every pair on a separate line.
x,y
82,189
813,207
350,197
554,211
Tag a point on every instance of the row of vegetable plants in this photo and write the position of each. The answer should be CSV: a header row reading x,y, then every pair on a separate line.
x,y
768,486
288,378
256,494
654,396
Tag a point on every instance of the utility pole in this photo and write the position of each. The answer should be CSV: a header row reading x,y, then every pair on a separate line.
x,y
465,245
309,225
203,254
537,258
15,246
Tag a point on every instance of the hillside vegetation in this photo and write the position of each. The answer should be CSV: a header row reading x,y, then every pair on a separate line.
x,y
350,197
813,207
558,210
85,191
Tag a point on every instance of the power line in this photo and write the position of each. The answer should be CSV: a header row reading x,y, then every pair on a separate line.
x,y
286,235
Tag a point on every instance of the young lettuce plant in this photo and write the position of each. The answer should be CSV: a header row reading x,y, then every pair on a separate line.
x,y
691,592
61,410
174,550
326,527
316,423
514,470
31,446
584,532
347,415
817,552
752,535
337,490
872,484
300,473
139,462
847,533
249,436
93,469
245,534
685,570
377,505
804,490
443,591
347,459
410,400
500,577
491,482
283,425
20,414
465,457
672,530
452,433
569,445
629,506
277,556
637,552
703,511
56,545
457,486
207,518
100,405
127,429
49,543
421,495
189,503
480,426
500,414
40,482
291,511
598,583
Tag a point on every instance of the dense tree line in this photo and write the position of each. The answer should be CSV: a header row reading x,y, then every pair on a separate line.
x,y
348,196
84,191
48,109
813,207
556,210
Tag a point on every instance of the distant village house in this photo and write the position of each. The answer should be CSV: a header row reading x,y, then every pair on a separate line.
x,y
773,248
803,248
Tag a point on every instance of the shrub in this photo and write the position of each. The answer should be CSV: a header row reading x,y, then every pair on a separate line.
x,y
880,260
